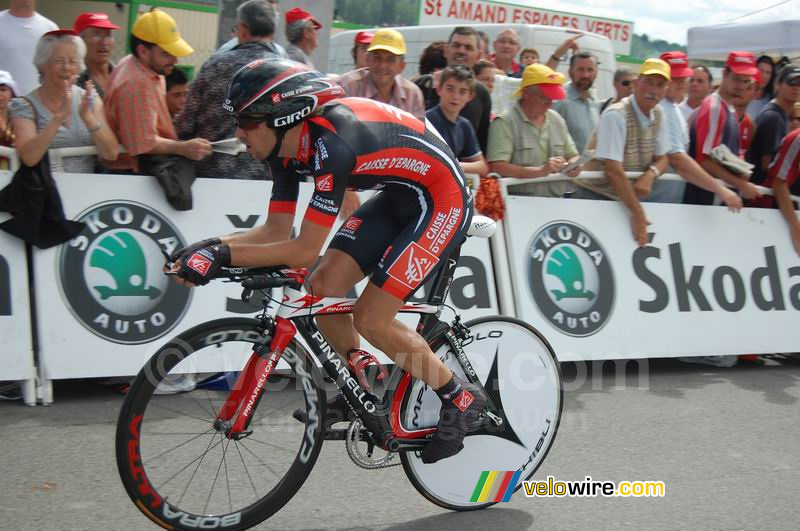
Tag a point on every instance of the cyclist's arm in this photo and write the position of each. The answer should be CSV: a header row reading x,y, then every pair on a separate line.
x,y
302,251
277,228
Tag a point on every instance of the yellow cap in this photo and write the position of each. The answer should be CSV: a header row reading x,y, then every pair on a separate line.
x,y
389,40
159,28
657,67
550,82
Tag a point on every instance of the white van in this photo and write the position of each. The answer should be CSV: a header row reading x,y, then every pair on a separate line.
x,y
545,39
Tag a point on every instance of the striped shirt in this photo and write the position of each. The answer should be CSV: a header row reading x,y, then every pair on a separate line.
x,y
715,123
136,106
786,164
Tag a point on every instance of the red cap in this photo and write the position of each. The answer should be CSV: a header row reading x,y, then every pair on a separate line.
x,y
296,13
93,20
743,63
678,64
363,37
61,32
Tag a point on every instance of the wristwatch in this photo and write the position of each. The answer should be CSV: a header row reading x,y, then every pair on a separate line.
x,y
654,170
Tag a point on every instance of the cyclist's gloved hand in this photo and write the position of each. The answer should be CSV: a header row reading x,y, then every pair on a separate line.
x,y
203,264
189,249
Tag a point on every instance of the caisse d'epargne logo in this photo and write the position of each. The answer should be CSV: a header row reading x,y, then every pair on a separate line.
x,y
570,278
111,273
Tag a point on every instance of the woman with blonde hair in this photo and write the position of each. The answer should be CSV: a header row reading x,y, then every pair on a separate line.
x,y
58,113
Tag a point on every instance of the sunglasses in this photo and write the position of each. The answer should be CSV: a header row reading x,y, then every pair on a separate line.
x,y
794,82
794,118
248,122
626,82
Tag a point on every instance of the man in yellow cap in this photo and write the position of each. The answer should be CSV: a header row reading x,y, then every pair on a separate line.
x,y
531,140
382,79
631,136
136,104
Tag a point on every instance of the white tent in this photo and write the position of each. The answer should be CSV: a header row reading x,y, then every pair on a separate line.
x,y
772,31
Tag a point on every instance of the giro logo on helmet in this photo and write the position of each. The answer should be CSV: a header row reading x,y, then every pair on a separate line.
x,y
280,121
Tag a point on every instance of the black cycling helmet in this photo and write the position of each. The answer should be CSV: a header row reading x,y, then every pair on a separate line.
x,y
286,91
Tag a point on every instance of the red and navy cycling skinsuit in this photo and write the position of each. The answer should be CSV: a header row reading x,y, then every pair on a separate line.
x,y
424,207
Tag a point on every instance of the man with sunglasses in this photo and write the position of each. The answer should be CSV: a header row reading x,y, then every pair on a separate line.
x,y
772,124
623,85
286,114
715,123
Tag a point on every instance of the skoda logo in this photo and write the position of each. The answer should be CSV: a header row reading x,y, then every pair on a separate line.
x,y
570,278
111,273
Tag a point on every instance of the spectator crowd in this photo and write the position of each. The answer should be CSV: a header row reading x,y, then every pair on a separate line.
x,y
59,88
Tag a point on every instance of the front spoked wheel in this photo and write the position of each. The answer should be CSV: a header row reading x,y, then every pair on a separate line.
x,y
521,375
179,468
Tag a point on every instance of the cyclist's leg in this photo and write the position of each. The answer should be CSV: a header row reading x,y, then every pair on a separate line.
x,y
336,274
374,314
416,252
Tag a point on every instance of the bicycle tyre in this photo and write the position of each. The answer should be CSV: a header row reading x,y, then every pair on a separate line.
x,y
139,437
522,445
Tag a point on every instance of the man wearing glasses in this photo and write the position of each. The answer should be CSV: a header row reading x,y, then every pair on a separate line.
x,y
716,123
95,30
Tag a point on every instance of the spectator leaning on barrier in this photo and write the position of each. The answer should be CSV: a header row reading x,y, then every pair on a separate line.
x,y
136,100
664,191
21,27
95,30
301,32
361,42
382,80
63,115
462,49
580,108
766,85
506,48
203,115
773,122
715,123
456,88
699,89
531,140
8,90
623,85
783,176
631,137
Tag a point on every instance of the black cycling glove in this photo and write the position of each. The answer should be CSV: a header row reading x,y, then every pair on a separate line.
x,y
204,264
189,249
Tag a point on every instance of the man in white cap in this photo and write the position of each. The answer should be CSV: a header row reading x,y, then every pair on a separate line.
x,y
136,104
382,79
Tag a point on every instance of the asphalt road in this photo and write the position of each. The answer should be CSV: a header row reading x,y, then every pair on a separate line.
x,y
724,441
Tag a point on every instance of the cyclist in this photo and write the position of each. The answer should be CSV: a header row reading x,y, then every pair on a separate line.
x,y
295,118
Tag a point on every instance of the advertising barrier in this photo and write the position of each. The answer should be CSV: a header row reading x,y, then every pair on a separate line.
x,y
105,305
709,282
16,351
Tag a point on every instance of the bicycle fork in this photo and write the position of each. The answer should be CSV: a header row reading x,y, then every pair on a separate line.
x,y
249,385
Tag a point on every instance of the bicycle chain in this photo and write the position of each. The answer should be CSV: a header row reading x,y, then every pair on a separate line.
x,y
357,457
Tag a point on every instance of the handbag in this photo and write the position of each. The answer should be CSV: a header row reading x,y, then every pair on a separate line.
x,y
33,200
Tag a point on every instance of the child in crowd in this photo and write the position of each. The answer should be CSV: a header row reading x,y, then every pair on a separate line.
x,y
528,56
177,89
456,88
